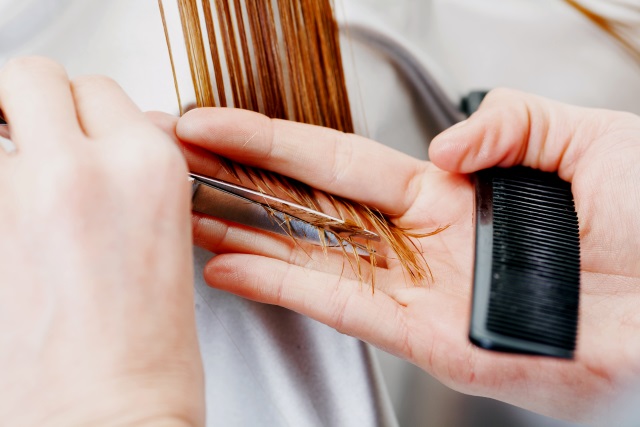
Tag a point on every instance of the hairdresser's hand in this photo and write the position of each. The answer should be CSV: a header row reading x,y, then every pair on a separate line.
x,y
598,151
96,309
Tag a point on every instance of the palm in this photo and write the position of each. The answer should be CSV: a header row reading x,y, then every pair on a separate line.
x,y
434,314
610,271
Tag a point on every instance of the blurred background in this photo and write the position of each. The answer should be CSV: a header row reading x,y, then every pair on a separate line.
x,y
542,46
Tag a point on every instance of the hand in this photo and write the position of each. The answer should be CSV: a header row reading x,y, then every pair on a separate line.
x,y
598,151
97,322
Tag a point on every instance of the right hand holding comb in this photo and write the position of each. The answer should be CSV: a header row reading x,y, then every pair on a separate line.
x,y
598,151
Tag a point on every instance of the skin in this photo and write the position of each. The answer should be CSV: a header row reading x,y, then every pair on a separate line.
x,y
97,324
96,296
597,151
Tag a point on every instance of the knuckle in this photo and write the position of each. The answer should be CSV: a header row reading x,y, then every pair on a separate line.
x,y
340,307
270,129
342,156
165,154
17,67
404,334
502,99
502,92
207,233
68,176
94,81
301,258
149,150
66,168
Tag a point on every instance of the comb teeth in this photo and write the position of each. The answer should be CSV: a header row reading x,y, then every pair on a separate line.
x,y
534,277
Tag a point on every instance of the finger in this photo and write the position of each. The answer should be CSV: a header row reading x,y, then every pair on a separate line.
x,y
513,128
199,160
342,164
102,106
166,122
341,303
36,100
222,237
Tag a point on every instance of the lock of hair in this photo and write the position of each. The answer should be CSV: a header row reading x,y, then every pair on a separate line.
x,y
281,58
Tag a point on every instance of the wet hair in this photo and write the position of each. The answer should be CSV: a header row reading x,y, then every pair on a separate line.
x,y
283,58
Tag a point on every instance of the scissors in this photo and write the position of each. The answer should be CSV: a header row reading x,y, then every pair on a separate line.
x,y
233,202
242,205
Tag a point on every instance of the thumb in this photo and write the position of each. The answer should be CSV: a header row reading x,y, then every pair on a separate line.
x,y
512,128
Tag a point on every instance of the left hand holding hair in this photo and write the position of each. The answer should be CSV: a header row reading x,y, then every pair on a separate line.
x,y
428,324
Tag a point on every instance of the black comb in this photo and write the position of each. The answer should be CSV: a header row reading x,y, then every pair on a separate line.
x,y
527,261
527,266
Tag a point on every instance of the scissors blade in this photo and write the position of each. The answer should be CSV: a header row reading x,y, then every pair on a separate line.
x,y
256,209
